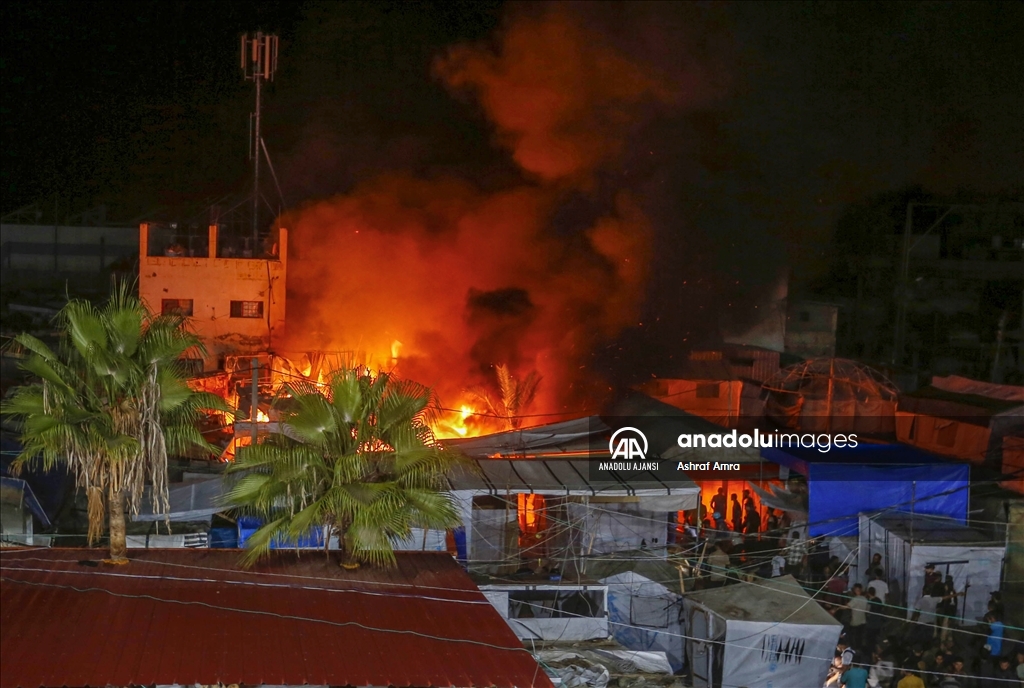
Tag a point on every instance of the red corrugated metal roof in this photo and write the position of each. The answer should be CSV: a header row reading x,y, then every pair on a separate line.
x,y
193,616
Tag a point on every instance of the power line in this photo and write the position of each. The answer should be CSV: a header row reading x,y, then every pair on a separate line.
x,y
290,617
383,630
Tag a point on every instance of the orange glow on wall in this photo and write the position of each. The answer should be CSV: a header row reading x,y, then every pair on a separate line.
x,y
532,516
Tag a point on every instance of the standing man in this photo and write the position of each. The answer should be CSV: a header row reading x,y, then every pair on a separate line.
x,y
924,615
994,642
858,606
752,520
737,514
718,504
796,554
877,581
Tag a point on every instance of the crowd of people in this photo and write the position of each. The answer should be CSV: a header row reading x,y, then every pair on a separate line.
x,y
886,642
881,648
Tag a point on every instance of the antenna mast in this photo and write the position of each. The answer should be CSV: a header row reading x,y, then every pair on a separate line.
x,y
259,62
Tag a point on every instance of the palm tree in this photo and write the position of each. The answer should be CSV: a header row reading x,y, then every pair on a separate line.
x,y
111,402
357,458
516,396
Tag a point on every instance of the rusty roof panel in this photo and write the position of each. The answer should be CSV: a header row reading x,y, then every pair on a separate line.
x,y
190,616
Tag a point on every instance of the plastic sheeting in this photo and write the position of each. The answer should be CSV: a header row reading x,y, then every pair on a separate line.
x,y
844,483
191,501
645,615
974,562
565,628
777,655
626,661
769,634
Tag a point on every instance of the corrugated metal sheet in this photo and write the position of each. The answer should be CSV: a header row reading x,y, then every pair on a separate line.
x,y
192,616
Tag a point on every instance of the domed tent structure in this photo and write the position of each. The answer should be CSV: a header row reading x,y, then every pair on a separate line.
x,y
832,395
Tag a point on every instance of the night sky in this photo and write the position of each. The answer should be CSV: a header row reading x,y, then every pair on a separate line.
x,y
790,114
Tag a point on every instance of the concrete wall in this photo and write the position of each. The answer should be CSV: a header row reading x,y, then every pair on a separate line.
x,y
212,284
811,329
64,248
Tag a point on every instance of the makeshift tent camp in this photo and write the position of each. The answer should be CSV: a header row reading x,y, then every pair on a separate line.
x,y
845,482
552,462
768,634
907,542
644,602
602,517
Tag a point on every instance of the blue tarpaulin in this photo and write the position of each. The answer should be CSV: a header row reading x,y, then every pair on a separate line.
x,y
872,477
248,525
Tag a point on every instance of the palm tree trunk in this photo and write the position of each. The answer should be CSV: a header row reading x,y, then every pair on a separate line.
x,y
118,536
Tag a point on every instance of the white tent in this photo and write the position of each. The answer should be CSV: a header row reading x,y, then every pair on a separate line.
x,y
608,516
907,542
644,615
765,634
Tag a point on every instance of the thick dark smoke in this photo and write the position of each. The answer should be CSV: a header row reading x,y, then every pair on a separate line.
x,y
536,274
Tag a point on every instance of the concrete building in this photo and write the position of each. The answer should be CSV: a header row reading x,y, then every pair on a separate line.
x,y
235,299
811,329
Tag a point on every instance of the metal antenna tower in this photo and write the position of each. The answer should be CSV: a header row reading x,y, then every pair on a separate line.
x,y
259,62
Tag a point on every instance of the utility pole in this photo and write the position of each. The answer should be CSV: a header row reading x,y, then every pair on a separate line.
x,y
254,414
259,63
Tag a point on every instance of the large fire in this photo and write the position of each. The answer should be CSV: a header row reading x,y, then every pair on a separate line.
x,y
443,280
493,294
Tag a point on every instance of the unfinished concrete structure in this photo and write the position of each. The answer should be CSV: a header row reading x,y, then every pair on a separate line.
x,y
233,293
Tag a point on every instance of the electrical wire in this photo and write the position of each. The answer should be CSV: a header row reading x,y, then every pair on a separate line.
x,y
256,612
463,591
386,630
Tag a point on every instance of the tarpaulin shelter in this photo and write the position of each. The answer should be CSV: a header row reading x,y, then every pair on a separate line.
x,y
644,602
766,634
195,500
552,462
962,418
907,542
604,517
845,482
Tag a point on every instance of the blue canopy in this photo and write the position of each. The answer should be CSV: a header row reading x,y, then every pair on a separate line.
x,y
873,477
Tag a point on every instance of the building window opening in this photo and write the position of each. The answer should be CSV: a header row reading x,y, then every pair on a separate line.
x,y
176,307
246,309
